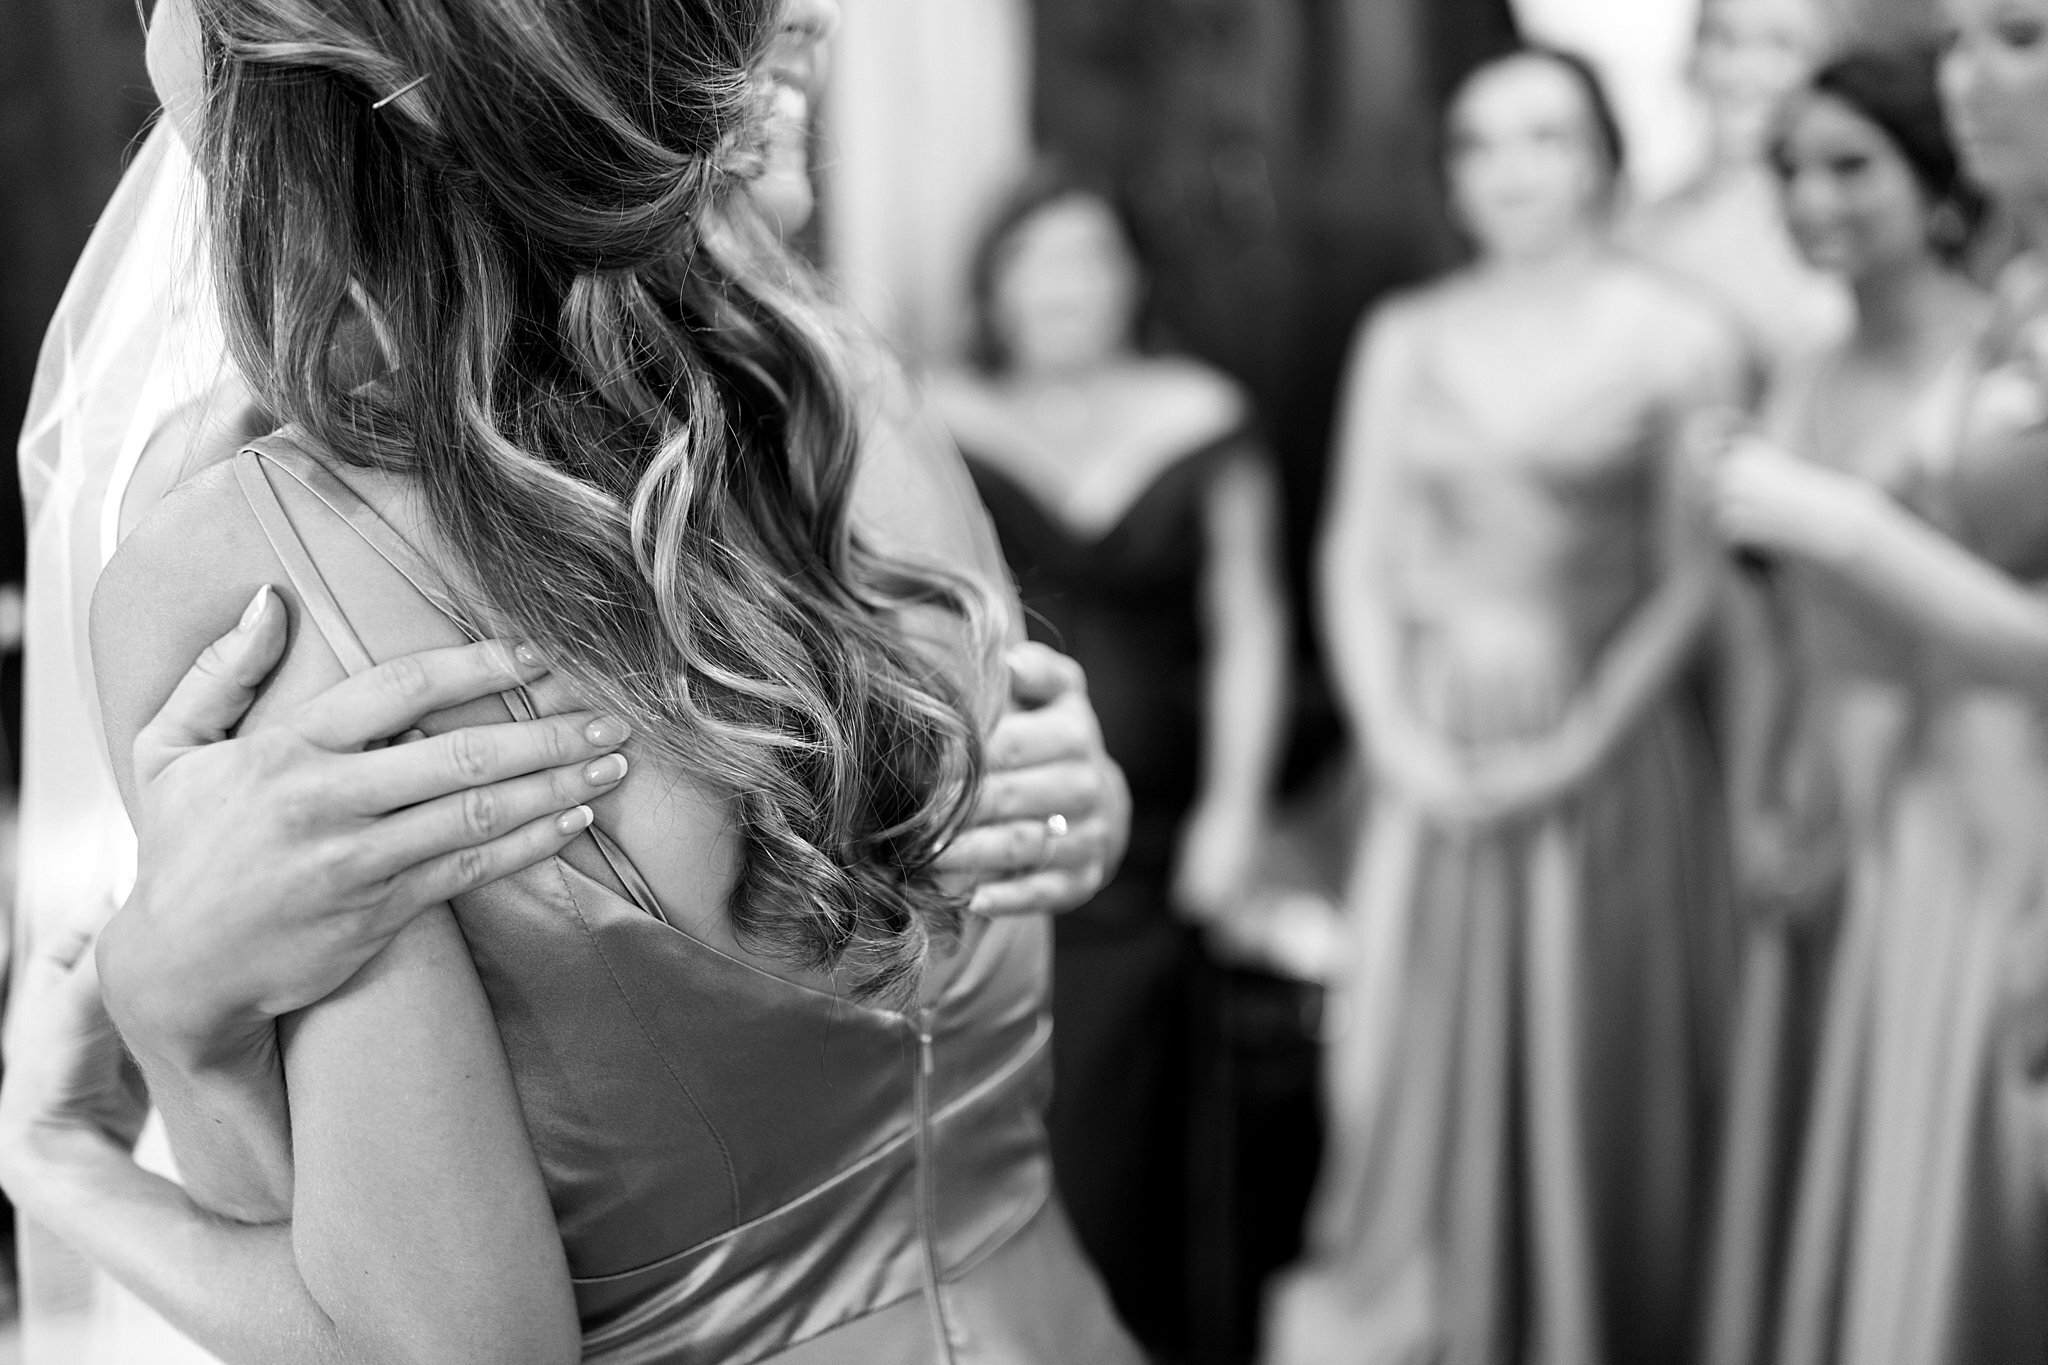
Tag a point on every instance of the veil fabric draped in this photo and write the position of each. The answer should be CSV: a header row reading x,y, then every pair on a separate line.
x,y
132,393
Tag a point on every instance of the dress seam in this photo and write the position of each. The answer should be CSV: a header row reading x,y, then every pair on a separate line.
x,y
724,1152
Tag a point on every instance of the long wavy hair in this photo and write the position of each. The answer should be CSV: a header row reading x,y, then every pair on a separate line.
x,y
625,404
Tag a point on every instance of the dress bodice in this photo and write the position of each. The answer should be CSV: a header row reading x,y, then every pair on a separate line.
x,y
744,1166
1532,493
1125,606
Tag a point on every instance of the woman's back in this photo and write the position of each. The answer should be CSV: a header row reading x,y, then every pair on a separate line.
x,y
740,1158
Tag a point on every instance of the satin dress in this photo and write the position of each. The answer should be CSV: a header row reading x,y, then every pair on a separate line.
x,y
1520,1079
1919,1231
743,1167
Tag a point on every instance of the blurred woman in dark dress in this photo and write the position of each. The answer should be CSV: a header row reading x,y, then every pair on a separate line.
x,y
1140,514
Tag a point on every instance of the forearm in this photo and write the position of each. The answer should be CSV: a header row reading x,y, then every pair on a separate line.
x,y
1363,643
1755,696
1246,705
1644,659
234,1289
1990,625
230,1130
1247,634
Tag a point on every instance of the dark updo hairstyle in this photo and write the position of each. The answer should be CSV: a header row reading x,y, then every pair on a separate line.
x,y
1608,139
1897,89
1047,183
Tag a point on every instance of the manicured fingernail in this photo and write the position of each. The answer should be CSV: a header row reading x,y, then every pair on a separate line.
x,y
606,771
607,732
528,660
253,613
575,821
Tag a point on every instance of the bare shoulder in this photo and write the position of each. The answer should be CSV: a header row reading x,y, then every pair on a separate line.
x,y
179,582
1690,330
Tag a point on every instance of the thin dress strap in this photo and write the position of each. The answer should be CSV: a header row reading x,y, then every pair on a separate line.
x,y
314,594
325,609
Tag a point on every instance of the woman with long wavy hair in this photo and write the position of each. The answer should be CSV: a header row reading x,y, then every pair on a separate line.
x,y
734,1076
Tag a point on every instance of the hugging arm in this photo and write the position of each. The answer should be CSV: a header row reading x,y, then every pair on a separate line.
x,y
418,1225
1979,618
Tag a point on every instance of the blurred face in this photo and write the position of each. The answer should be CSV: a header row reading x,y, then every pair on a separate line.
x,y
1851,200
176,66
1994,81
1066,288
796,65
1527,176
1751,55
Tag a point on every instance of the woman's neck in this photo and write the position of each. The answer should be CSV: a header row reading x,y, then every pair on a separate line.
x,y
1564,262
1905,312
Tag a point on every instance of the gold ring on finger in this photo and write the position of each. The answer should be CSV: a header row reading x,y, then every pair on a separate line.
x,y
1055,825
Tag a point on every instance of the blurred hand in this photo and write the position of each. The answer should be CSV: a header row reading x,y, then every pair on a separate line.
x,y
274,865
1518,779
67,1073
1764,499
1046,760
1219,847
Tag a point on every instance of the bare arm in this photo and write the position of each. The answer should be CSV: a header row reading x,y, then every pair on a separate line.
x,y
1245,622
373,1268
419,1228
1360,632
1979,619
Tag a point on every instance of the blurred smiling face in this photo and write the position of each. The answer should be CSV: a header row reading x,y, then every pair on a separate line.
x,y
1526,174
1994,82
1066,289
798,60
1751,55
1852,202
177,70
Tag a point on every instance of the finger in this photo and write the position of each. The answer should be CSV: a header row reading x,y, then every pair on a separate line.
x,y
467,869
402,775
397,695
1074,790
1041,893
996,852
1040,674
473,818
1059,731
215,693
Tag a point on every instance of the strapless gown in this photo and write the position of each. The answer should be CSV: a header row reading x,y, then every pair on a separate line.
x,y
1518,1087
745,1168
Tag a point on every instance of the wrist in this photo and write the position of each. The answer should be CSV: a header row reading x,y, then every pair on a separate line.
x,y
42,1163
163,1019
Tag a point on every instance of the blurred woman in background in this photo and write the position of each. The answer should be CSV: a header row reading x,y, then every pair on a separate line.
x,y
1140,515
1920,1233
1514,574
1824,682
1721,231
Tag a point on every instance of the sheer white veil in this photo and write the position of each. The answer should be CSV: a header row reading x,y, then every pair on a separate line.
x,y
133,392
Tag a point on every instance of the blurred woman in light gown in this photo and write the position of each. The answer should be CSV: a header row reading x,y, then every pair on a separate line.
x,y
1516,569
1914,535
1139,511
1721,231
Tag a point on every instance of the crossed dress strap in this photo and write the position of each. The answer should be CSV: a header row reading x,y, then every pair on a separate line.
x,y
281,451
